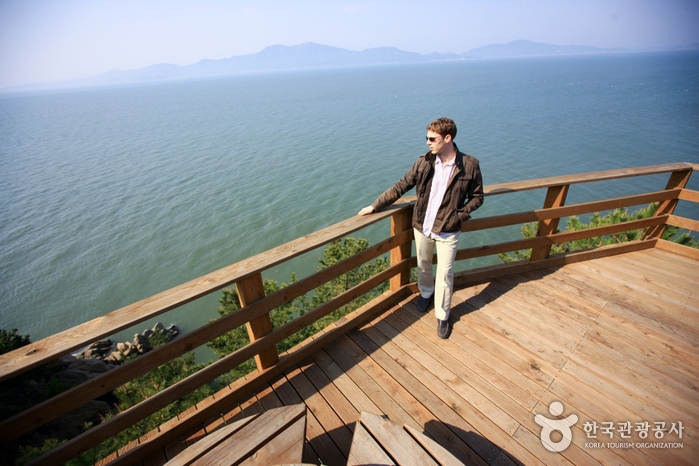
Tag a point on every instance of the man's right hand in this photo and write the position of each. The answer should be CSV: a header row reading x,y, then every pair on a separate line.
x,y
366,210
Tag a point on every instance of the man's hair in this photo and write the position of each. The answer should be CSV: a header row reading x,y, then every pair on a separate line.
x,y
443,126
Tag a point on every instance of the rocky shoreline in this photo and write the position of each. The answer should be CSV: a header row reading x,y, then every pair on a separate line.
x,y
46,381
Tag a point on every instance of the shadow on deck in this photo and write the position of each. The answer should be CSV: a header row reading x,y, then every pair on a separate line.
x,y
613,339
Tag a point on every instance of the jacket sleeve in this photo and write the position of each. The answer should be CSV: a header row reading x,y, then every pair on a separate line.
x,y
474,195
394,193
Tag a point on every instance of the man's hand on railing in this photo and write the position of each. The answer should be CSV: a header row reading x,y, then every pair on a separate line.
x,y
366,210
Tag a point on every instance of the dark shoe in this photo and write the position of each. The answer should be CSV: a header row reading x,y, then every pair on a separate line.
x,y
423,304
442,328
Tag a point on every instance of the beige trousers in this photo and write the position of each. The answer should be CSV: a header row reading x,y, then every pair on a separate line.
x,y
441,284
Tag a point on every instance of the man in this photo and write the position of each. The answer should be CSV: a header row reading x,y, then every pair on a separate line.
x,y
449,187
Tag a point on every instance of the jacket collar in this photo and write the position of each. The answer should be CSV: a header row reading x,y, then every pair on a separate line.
x,y
458,161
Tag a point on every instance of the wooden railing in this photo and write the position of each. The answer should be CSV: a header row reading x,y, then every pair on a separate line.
x,y
256,307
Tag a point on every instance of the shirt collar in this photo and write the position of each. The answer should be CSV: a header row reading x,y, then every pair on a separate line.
x,y
438,160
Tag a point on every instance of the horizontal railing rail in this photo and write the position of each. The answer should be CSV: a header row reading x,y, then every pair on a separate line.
x,y
256,307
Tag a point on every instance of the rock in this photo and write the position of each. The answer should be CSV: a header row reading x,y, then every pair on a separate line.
x,y
73,423
90,366
116,357
81,370
159,327
142,343
102,345
97,350
66,360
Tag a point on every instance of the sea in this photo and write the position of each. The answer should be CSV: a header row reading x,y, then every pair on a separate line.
x,y
110,195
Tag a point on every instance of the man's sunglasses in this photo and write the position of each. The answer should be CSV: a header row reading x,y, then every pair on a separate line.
x,y
431,139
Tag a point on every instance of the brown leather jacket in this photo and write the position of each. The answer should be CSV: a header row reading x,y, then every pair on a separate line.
x,y
464,193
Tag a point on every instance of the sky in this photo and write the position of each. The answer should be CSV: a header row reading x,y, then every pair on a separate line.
x,y
56,40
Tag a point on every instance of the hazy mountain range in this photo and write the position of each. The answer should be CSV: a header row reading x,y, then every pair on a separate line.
x,y
310,55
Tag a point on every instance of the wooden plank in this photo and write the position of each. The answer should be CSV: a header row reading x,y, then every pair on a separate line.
x,y
599,379
158,457
252,289
544,358
328,389
99,385
555,197
486,430
328,419
201,447
408,401
401,222
544,290
532,443
351,393
268,399
316,436
490,349
364,392
458,347
296,354
543,242
480,411
576,295
479,392
644,379
483,274
686,223
577,452
260,431
175,447
678,179
649,314
366,451
669,286
374,343
635,353
61,343
665,265
689,195
678,249
519,186
285,448
529,315
395,441
682,260
653,348
519,218
117,423
443,456
587,411
599,407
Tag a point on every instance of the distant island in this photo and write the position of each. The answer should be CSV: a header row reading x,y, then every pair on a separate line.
x,y
309,55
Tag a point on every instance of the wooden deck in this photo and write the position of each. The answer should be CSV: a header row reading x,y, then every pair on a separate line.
x,y
613,339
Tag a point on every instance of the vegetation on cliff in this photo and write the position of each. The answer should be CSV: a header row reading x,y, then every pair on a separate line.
x,y
671,233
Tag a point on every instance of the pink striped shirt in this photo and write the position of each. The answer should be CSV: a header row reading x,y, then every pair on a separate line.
x,y
440,181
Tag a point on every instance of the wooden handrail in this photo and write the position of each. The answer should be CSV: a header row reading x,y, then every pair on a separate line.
x,y
567,211
257,306
37,353
526,185
104,383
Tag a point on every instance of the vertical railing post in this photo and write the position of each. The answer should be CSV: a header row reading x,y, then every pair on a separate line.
x,y
400,222
251,289
555,197
678,179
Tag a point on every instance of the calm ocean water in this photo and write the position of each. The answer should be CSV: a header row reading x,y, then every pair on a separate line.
x,y
108,196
